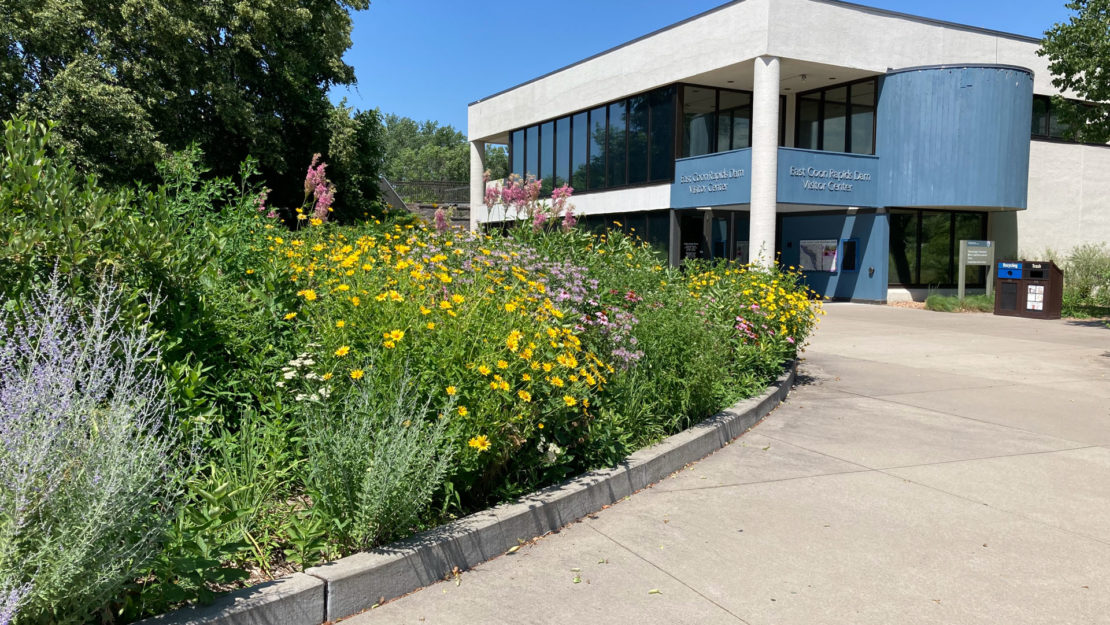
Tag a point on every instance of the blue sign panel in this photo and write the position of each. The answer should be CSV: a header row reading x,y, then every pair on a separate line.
x,y
1009,270
713,180
827,178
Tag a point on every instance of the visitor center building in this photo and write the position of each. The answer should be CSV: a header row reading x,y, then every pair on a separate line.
x,y
858,144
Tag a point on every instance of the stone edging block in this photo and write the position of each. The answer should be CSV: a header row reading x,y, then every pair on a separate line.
x,y
294,600
356,583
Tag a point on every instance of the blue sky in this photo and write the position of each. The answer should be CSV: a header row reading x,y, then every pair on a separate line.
x,y
428,59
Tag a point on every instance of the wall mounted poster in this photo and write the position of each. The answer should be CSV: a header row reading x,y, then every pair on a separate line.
x,y
817,254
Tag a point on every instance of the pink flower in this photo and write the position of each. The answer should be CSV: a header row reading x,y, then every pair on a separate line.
x,y
324,196
261,201
569,221
315,176
538,220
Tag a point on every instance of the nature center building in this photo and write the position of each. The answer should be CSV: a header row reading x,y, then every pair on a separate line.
x,y
856,143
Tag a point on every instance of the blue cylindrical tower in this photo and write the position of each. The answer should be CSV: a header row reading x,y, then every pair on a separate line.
x,y
955,136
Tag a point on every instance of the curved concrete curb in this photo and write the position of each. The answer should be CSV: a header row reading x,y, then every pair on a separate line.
x,y
358,582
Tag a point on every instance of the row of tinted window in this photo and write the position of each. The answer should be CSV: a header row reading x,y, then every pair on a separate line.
x,y
838,119
925,245
718,120
623,143
653,227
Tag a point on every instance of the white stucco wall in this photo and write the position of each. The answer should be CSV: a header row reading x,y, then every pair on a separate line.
x,y
1069,198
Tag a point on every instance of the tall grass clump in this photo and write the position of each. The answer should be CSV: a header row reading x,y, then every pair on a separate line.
x,y
86,455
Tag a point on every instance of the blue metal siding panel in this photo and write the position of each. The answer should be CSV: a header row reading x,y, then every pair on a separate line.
x,y
873,235
713,180
955,137
827,178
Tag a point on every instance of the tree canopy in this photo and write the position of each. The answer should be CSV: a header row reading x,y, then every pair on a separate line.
x,y
427,151
128,81
1079,57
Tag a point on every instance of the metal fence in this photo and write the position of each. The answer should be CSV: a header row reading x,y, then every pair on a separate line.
x,y
433,191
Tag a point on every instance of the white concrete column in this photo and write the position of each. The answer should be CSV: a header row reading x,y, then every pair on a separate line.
x,y
765,160
477,183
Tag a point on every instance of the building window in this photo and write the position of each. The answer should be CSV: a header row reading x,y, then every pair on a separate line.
x,y
516,149
618,145
661,134
562,152
699,113
532,150
623,143
547,157
1046,119
925,245
638,124
734,121
840,118
596,181
719,120
579,163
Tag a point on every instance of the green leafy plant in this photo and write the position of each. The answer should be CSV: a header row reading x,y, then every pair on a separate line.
x,y
191,562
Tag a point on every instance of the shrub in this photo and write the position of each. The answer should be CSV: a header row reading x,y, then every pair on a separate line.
x,y
379,456
86,464
1087,280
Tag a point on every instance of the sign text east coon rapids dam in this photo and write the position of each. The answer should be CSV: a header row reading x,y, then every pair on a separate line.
x,y
710,181
829,179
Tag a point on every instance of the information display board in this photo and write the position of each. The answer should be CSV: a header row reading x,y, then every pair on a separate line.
x,y
975,253
817,254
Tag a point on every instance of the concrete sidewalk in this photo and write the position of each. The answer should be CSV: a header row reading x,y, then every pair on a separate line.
x,y
929,468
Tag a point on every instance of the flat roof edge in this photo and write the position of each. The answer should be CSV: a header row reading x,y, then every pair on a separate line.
x,y
843,3
917,68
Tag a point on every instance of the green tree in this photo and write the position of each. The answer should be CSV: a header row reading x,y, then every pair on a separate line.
x,y
424,150
129,81
497,161
1079,53
355,152
415,150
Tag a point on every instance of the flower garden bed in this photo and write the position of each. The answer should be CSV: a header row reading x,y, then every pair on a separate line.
x,y
211,393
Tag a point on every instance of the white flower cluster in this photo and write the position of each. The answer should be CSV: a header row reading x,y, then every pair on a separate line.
x,y
293,369
551,451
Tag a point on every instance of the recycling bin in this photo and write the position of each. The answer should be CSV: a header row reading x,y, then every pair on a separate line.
x,y
1032,289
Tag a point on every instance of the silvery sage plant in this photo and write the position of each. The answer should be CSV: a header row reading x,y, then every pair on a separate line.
x,y
9,603
87,467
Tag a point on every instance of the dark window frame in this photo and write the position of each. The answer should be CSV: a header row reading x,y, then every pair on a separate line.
x,y
953,245
847,115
